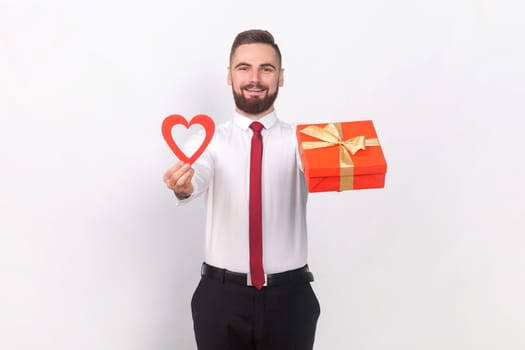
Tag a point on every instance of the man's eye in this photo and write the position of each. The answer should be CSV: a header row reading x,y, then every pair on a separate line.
x,y
267,70
243,68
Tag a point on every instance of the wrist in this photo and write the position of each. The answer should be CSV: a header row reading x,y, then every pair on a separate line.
x,y
182,196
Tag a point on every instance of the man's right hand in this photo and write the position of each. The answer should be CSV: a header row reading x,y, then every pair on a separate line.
x,y
178,179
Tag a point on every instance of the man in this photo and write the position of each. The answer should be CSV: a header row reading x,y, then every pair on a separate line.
x,y
255,288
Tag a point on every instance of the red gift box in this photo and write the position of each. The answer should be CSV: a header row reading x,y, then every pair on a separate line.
x,y
341,156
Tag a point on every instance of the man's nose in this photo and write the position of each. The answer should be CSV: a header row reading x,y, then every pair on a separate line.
x,y
255,76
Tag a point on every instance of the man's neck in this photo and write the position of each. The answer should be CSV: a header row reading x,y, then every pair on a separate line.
x,y
255,116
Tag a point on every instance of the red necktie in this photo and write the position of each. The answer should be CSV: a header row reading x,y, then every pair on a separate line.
x,y
256,264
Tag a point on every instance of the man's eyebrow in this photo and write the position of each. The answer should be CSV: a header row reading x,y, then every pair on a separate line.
x,y
241,64
247,64
268,65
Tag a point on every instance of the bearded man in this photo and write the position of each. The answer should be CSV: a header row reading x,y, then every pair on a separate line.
x,y
255,290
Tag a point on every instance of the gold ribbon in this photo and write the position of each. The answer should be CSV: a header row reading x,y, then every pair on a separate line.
x,y
332,135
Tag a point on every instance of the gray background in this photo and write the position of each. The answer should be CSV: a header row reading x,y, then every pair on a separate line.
x,y
95,255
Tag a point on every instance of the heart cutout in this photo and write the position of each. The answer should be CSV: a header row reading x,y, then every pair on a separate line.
x,y
201,119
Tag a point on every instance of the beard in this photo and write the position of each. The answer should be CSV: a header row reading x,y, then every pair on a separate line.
x,y
254,105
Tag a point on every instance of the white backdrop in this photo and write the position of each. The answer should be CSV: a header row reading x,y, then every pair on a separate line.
x,y
95,255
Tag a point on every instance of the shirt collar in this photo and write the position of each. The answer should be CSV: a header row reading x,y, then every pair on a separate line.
x,y
243,122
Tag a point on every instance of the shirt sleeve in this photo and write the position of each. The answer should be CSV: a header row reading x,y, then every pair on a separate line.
x,y
297,150
203,167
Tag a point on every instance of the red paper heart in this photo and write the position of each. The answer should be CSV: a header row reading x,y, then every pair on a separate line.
x,y
175,119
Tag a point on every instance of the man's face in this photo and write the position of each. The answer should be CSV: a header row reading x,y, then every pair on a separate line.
x,y
255,75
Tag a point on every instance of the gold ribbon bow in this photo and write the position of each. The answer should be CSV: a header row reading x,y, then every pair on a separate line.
x,y
332,135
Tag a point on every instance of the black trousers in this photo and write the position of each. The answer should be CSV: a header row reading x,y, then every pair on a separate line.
x,y
228,316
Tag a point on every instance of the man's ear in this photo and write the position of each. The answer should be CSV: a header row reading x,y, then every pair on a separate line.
x,y
229,78
281,77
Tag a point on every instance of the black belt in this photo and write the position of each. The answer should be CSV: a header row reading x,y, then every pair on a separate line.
x,y
297,276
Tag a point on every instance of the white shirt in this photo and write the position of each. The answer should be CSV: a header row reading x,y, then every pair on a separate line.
x,y
222,174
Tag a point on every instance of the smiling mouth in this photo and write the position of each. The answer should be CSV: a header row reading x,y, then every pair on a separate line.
x,y
254,88
254,91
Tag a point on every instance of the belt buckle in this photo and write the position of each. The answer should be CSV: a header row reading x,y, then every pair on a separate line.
x,y
249,280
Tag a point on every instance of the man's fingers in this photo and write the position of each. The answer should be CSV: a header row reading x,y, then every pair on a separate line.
x,y
178,177
181,170
174,168
185,179
175,172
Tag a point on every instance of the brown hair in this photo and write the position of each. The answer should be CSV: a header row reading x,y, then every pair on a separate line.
x,y
255,36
